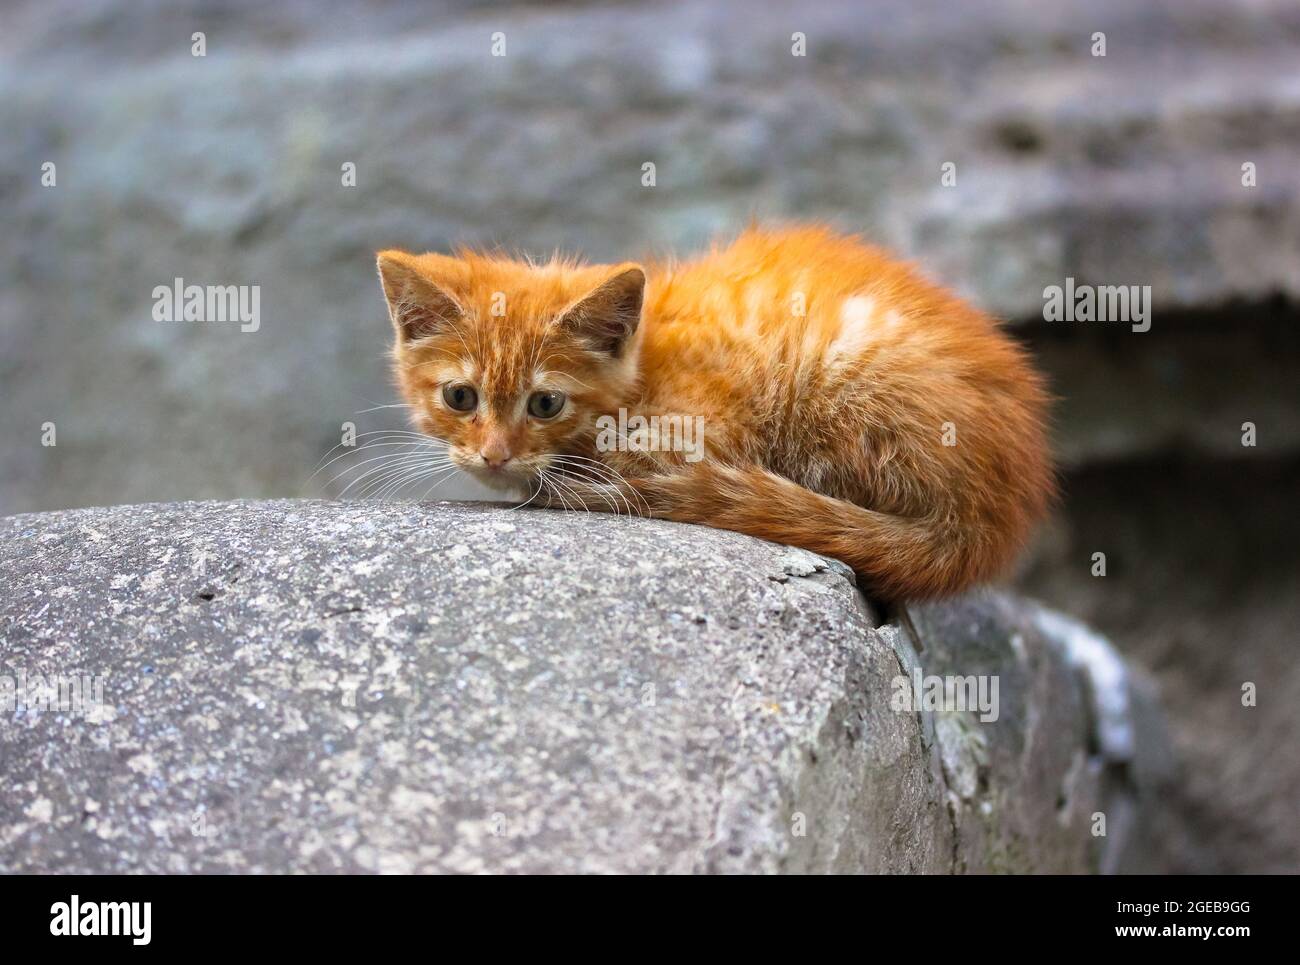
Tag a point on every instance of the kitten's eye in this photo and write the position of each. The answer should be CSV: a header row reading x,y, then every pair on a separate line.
x,y
545,405
459,396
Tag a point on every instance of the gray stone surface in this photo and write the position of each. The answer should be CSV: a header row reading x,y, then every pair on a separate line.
x,y
314,686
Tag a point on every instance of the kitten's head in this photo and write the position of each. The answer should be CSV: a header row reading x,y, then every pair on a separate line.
x,y
508,362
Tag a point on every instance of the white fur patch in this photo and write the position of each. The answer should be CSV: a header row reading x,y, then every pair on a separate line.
x,y
858,322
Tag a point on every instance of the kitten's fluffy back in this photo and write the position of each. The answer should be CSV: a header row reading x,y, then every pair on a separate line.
x,y
826,361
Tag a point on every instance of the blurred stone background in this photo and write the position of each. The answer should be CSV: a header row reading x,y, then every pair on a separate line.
x,y
1123,169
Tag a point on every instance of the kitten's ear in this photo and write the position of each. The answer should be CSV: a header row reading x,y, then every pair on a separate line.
x,y
418,305
607,317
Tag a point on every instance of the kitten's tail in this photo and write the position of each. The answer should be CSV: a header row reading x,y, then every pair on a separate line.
x,y
896,557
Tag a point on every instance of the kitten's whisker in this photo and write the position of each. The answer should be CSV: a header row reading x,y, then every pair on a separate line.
x,y
456,329
397,479
532,360
550,485
400,432
384,434
368,486
577,498
373,445
568,375
410,478
608,495
385,460
369,474
410,463
541,474
599,487
611,475
391,463
425,494
622,480
390,474
603,485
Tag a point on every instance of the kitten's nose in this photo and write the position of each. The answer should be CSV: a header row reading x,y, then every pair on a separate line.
x,y
494,454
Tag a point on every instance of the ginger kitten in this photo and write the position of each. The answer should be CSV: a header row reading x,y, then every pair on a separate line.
x,y
849,406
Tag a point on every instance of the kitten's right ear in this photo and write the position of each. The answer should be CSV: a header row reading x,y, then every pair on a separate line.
x,y
418,306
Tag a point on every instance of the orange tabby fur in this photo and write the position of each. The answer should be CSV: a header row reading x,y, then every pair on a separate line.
x,y
829,377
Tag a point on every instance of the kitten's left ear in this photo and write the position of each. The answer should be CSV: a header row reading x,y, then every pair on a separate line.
x,y
607,318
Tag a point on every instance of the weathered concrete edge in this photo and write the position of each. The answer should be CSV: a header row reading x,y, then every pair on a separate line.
x,y
1127,751
1119,701
857,821
1128,731
1129,745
